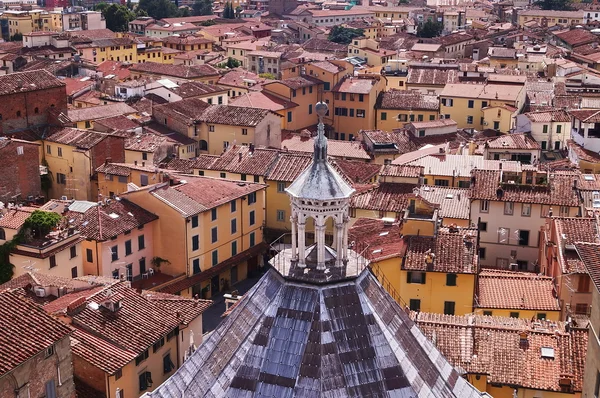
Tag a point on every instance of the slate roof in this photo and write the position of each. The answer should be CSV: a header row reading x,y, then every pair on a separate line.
x,y
28,81
492,346
27,330
454,251
291,340
516,291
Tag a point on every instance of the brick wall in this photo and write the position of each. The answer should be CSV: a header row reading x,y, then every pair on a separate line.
x,y
166,119
111,147
38,370
19,109
89,374
20,173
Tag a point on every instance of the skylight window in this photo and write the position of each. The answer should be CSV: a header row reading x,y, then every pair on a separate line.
x,y
449,196
377,251
384,233
113,216
548,352
588,177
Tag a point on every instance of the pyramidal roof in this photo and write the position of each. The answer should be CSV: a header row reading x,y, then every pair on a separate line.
x,y
320,181
290,339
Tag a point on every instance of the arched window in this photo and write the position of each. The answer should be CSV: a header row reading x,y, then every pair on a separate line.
x,y
36,110
203,145
18,113
2,234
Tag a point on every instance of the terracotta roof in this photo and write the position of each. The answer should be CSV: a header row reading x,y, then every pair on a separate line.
x,y
119,122
588,252
433,124
497,92
587,115
453,251
384,197
335,148
103,354
14,218
354,86
187,110
82,139
570,230
382,241
300,81
262,100
577,37
100,112
182,71
28,81
45,280
236,77
390,142
316,44
397,170
327,66
513,141
431,76
27,330
188,308
75,86
557,115
233,115
412,100
453,202
356,172
582,153
559,191
288,167
240,160
199,194
516,291
492,346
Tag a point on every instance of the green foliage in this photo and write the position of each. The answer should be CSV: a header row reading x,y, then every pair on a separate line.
x,y
228,12
268,76
238,11
185,12
118,17
159,9
158,261
102,6
39,223
429,29
341,35
210,22
202,7
556,5
17,37
231,63
6,268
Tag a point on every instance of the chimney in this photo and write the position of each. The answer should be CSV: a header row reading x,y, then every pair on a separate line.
x,y
239,157
107,160
500,166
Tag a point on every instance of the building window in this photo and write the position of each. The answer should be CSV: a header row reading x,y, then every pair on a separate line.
x,y
214,235
545,129
558,129
360,113
168,365
541,316
233,226
310,109
509,208
157,346
234,248
471,104
18,113
196,266
89,255
583,285
450,279
526,209
440,183
61,178
280,215
194,221
289,117
449,307
215,257
128,250
211,128
563,211
48,149
469,119
244,131
252,239
361,97
73,251
213,214
144,156
118,375
195,242
50,389
415,305
252,198
141,358
415,277
145,379
514,315
483,226
383,115
114,252
482,253
141,242
281,187
59,151
252,218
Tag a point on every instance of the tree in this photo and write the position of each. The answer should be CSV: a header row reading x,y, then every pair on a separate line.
x,y
238,12
210,22
202,7
102,6
429,29
17,37
39,224
556,5
231,63
228,12
341,35
118,17
184,12
268,76
159,9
